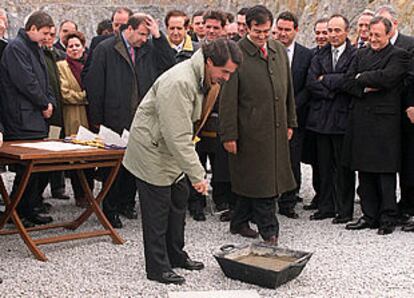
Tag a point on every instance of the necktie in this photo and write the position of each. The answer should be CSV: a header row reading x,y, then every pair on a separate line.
x,y
132,54
361,45
264,52
335,57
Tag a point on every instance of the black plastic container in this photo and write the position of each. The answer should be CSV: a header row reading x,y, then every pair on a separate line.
x,y
228,254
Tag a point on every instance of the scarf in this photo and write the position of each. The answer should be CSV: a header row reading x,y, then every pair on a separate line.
x,y
76,66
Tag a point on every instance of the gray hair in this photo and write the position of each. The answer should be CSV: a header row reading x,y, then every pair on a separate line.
x,y
387,8
379,19
368,12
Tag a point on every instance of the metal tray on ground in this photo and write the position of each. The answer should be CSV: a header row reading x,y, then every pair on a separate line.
x,y
261,264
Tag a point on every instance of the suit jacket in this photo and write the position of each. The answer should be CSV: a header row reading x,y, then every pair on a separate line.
x,y
3,45
329,107
302,58
373,138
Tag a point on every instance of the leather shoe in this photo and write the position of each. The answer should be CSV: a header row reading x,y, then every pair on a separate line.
x,y
341,220
191,265
403,219
130,213
386,229
289,213
273,240
114,220
245,231
42,208
226,216
311,206
321,216
169,277
199,216
360,225
409,227
39,220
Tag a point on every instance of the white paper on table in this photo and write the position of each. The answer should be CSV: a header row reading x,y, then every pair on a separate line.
x,y
125,136
109,137
85,134
54,132
53,146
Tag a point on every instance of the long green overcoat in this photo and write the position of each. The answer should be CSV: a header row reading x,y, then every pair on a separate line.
x,y
256,109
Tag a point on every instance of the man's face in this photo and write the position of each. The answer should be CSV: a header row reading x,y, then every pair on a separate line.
x,y
363,27
176,30
220,74
3,27
337,32
65,29
275,33
287,32
138,37
378,39
39,35
50,39
259,34
120,18
198,26
394,22
231,30
214,29
321,34
241,25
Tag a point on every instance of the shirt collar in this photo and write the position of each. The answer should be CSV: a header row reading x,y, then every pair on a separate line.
x,y
291,48
179,47
394,38
340,49
248,37
125,40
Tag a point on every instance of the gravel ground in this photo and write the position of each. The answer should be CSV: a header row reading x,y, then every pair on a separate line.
x,y
344,263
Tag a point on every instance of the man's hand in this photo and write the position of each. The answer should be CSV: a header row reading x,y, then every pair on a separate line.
x,y
152,26
201,187
410,114
290,133
48,112
1,139
369,89
231,147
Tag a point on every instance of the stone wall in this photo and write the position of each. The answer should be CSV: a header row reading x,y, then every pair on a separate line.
x,y
88,13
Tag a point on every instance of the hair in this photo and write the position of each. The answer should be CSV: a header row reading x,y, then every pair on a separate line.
x,y
76,34
389,9
68,21
288,16
260,14
229,17
39,19
222,50
176,13
198,13
134,21
379,19
319,21
367,12
104,25
215,15
120,10
242,11
346,21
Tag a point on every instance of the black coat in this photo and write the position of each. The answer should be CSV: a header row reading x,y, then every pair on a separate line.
x,y
302,58
25,89
3,45
329,106
115,87
94,43
373,139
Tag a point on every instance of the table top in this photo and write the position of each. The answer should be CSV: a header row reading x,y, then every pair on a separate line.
x,y
9,151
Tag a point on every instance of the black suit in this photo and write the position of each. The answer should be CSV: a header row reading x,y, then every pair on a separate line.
x,y
328,118
300,65
372,143
406,205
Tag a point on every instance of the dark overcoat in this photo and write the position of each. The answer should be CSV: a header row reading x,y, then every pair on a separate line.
x,y
256,109
25,89
373,139
115,86
328,112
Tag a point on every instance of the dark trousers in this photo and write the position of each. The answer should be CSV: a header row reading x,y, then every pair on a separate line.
x,y
57,182
163,210
122,193
378,199
263,211
337,183
288,200
76,185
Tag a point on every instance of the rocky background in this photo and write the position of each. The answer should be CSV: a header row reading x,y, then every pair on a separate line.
x,y
88,13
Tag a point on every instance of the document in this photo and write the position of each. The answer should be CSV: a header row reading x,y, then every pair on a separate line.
x,y
111,138
53,146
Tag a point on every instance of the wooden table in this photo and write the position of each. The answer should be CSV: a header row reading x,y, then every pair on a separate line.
x,y
35,161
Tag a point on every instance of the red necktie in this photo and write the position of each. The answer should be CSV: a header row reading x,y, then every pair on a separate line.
x,y
132,53
264,52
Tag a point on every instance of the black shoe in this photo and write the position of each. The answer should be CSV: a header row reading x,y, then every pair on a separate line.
x,y
289,213
409,226
222,207
26,223
321,216
403,219
226,216
245,231
386,229
341,220
39,220
199,216
42,208
360,224
130,213
311,206
168,278
60,196
114,220
190,265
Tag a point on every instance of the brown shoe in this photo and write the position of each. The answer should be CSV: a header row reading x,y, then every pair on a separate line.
x,y
245,231
273,240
